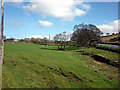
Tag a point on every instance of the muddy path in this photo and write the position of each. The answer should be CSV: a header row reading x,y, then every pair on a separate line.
x,y
104,60
99,59
69,75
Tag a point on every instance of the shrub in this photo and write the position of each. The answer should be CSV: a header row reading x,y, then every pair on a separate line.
x,y
113,49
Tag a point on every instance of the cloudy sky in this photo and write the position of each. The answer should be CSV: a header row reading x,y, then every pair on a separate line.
x,y
42,18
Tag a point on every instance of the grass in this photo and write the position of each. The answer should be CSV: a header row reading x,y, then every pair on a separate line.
x,y
38,66
112,56
109,48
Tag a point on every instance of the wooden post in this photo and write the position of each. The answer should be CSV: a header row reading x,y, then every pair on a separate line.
x,y
2,28
49,37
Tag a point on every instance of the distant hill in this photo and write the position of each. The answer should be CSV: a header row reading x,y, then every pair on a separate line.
x,y
112,39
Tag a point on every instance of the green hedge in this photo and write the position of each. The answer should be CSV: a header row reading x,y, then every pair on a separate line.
x,y
113,49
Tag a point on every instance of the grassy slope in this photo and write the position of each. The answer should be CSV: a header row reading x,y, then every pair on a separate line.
x,y
107,54
31,65
107,38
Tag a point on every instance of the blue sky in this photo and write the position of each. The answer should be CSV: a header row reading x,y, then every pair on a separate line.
x,y
48,20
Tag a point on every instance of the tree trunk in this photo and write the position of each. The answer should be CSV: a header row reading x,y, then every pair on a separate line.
x,y
58,45
64,45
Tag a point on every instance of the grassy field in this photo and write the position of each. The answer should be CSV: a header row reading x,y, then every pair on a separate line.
x,y
112,56
38,66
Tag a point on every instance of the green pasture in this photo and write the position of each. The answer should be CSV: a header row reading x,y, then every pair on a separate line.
x,y
38,66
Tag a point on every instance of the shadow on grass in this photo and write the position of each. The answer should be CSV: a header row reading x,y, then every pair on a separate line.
x,y
61,49
49,49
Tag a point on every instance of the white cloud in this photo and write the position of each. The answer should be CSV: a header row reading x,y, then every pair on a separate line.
x,y
85,6
41,36
112,27
14,24
71,32
36,36
65,9
14,0
45,23
101,0
81,0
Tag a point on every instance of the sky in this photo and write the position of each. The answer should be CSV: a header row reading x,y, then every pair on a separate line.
x,y
51,17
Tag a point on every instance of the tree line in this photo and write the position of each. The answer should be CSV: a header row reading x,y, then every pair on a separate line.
x,y
83,35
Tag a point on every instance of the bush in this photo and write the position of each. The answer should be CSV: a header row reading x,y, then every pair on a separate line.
x,y
113,49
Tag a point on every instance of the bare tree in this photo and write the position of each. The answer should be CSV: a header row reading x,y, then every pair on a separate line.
x,y
60,40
